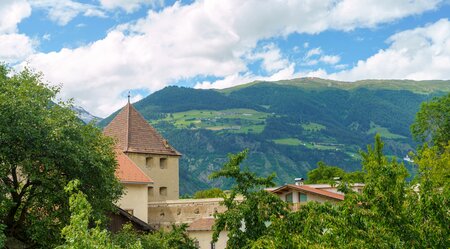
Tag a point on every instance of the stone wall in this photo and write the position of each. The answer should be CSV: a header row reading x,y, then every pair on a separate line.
x,y
164,213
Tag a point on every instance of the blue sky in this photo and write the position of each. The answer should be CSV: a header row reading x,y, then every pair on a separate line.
x,y
99,50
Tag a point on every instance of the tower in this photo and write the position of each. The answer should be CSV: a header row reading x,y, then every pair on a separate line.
x,y
141,143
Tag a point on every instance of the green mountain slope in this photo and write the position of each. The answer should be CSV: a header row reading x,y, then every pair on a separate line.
x,y
288,125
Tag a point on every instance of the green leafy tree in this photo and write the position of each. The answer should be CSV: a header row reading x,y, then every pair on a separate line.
x,y
246,220
430,198
327,174
432,123
176,237
43,146
78,234
324,173
209,193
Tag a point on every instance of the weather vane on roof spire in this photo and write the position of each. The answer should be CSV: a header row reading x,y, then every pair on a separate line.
x,y
129,97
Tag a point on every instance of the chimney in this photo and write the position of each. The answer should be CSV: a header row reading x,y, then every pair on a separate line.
x,y
299,181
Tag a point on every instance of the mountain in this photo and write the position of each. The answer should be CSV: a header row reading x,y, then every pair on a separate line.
x,y
85,115
288,126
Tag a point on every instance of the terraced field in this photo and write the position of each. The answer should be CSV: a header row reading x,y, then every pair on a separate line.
x,y
230,120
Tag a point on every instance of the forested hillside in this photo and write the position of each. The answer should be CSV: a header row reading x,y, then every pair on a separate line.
x,y
288,126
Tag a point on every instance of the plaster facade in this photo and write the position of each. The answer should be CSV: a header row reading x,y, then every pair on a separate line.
x,y
134,200
164,171
204,238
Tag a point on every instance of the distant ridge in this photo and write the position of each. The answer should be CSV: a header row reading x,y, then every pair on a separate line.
x,y
423,86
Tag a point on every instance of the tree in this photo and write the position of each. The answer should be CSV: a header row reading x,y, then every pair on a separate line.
x,y
43,146
430,200
176,238
432,123
246,220
209,193
78,234
326,174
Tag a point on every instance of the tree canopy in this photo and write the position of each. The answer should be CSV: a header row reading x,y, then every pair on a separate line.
x,y
327,174
246,220
43,145
432,123
389,213
209,193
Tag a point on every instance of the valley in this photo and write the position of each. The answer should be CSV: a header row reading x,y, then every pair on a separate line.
x,y
288,126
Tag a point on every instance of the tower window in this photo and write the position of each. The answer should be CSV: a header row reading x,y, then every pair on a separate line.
x,y
163,163
163,191
149,161
150,192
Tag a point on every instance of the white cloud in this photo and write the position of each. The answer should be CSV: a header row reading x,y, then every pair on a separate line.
x,y
129,5
207,37
11,13
330,59
47,37
63,11
272,59
419,54
237,79
349,14
316,55
15,47
313,52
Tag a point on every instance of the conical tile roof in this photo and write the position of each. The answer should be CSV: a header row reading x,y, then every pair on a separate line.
x,y
134,134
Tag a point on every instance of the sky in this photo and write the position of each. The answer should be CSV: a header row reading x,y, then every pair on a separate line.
x,y
98,50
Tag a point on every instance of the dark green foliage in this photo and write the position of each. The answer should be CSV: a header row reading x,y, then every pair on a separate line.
x,y
176,238
248,219
78,234
2,236
43,146
209,193
432,123
331,174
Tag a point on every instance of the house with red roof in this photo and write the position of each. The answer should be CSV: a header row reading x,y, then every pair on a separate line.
x,y
299,194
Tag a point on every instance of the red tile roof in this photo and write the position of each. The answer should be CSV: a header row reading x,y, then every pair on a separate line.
x,y
134,134
202,224
309,189
128,171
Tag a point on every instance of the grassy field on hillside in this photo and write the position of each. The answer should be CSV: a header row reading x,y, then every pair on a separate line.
x,y
313,126
309,145
230,120
384,132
